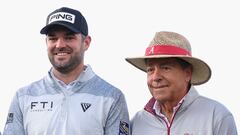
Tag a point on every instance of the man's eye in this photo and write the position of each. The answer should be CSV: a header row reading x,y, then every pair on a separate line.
x,y
149,70
52,38
165,68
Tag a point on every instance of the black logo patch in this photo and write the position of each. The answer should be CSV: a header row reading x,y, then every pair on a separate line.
x,y
10,118
123,128
85,106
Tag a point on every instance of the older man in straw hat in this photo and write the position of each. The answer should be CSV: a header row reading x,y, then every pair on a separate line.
x,y
176,108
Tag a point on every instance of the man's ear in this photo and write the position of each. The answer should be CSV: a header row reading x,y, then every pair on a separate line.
x,y
87,42
189,71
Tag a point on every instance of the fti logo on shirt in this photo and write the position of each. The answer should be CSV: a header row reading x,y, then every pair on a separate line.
x,y
41,106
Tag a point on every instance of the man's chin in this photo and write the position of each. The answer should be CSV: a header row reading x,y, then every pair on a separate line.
x,y
62,68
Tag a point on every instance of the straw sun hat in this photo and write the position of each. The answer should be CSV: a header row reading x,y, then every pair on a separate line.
x,y
173,45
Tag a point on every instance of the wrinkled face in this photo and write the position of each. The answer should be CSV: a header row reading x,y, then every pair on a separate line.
x,y
167,80
66,49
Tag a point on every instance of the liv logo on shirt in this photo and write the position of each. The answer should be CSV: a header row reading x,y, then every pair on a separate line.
x,y
85,106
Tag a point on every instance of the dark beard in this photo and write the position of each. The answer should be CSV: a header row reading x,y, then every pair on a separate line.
x,y
67,68
64,69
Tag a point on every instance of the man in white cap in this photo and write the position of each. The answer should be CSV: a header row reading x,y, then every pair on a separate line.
x,y
176,108
71,99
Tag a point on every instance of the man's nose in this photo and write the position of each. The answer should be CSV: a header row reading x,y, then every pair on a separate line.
x,y
60,43
157,74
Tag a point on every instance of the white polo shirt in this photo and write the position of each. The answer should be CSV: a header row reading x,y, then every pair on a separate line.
x,y
90,107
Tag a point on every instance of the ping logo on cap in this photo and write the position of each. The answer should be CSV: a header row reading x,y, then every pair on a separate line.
x,y
62,16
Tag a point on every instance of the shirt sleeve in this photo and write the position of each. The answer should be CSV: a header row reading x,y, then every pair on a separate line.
x,y
14,122
226,126
118,118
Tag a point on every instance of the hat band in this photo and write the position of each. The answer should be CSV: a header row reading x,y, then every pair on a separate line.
x,y
166,50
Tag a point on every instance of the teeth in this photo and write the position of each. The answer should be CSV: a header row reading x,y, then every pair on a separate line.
x,y
61,54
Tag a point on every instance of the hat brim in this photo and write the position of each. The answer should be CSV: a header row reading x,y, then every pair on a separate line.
x,y
45,29
201,70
